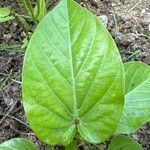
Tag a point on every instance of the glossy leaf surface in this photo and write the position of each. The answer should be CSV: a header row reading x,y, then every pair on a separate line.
x,y
137,99
17,144
5,14
72,77
122,142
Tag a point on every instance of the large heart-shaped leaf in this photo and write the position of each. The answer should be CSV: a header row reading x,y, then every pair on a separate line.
x,y
137,98
122,142
73,79
18,144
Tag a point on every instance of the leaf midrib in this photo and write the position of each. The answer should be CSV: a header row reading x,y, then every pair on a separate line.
x,y
75,114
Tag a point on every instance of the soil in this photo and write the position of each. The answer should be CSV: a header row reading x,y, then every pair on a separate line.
x,y
129,24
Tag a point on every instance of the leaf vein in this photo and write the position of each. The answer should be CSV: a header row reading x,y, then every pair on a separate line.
x,y
50,88
52,63
93,80
92,42
55,27
53,43
102,96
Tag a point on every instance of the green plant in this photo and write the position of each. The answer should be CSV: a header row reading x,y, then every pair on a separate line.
x,y
77,67
5,14
17,144
137,97
122,142
34,13
75,86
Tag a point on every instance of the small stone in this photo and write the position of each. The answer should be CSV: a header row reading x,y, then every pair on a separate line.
x,y
104,19
135,137
125,39
143,11
7,36
14,88
14,24
113,4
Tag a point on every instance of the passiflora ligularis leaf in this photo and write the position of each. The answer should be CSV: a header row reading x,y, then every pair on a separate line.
x,y
123,142
18,144
73,77
137,99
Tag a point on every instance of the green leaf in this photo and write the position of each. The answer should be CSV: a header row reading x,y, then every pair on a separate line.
x,y
5,14
122,142
72,146
73,78
18,144
137,98
40,9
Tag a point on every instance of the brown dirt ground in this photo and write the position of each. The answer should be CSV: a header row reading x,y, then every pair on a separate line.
x,y
129,24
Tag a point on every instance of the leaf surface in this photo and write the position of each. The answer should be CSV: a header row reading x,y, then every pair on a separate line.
x,y
137,98
17,144
72,77
5,14
122,142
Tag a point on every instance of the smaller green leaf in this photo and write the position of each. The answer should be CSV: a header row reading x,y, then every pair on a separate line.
x,y
72,146
5,14
137,99
18,144
123,142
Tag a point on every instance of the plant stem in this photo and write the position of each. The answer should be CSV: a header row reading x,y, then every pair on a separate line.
x,y
12,117
29,9
28,2
72,146
4,46
133,54
26,7
38,8
24,16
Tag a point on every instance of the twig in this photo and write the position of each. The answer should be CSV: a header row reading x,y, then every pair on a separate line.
x,y
6,86
24,16
142,35
2,88
116,21
7,78
19,82
132,55
12,117
16,110
135,5
8,112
